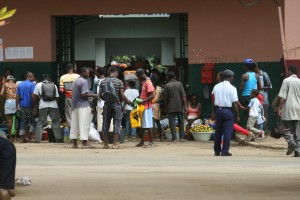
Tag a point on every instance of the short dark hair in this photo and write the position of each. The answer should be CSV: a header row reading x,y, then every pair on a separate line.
x,y
251,66
101,70
9,69
255,92
293,69
112,69
83,69
194,95
131,83
171,74
69,66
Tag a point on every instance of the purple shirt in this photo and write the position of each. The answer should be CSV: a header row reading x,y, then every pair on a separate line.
x,y
80,86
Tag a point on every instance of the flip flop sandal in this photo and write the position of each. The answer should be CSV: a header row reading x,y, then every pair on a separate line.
x,y
105,147
75,147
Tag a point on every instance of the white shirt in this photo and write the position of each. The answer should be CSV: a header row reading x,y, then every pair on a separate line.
x,y
225,94
100,102
130,94
254,106
45,104
290,91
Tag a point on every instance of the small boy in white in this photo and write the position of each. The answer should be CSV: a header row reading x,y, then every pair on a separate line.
x,y
261,119
131,93
254,109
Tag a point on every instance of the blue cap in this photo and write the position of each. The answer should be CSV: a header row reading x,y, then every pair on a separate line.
x,y
248,61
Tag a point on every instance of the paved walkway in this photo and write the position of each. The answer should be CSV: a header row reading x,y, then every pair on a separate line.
x,y
268,142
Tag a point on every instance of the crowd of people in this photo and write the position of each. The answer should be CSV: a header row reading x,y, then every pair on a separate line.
x,y
101,96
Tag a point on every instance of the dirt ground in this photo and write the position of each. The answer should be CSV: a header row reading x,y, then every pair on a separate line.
x,y
170,171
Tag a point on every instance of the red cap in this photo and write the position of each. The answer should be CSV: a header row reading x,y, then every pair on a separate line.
x,y
260,97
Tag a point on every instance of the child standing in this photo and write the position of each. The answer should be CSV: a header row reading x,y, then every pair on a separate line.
x,y
131,93
261,118
254,107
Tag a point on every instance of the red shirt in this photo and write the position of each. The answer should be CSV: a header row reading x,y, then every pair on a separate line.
x,y
147,88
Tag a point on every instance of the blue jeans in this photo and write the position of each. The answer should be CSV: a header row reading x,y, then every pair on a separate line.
x,y
172,116
260,126
128,129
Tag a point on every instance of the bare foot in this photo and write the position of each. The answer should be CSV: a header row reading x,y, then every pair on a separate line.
x,y
4,195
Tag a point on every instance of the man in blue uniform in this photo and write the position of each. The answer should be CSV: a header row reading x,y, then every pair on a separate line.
x,y
225,101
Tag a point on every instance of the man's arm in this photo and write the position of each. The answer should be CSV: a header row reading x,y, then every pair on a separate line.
x,y
2,91
282,102
88,94
121,92
243,79
236,111
258,82
150,97
61,85
17,101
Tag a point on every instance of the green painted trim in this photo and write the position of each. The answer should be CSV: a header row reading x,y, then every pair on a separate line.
x,y
38,68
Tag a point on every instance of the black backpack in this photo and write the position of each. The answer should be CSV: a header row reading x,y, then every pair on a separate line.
x,y
48,91
109,91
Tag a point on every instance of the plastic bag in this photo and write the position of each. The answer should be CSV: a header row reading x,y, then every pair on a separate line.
x,y
25,181
278,129
93,134
13,127
135,118
206,92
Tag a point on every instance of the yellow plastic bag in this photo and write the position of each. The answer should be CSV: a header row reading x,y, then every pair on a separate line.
x,y
141,108
135,118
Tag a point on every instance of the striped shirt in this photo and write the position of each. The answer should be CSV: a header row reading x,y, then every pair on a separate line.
x,y
118,84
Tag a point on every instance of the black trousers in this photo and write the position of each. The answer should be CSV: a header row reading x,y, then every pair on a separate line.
x,y
7,164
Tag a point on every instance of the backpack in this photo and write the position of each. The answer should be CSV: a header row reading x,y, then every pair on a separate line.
x,y
109,91
48,91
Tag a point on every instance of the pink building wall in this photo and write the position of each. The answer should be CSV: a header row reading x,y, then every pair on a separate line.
x,y
219,31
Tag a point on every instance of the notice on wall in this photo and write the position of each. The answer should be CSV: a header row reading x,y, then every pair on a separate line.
x,y
1,49
19,53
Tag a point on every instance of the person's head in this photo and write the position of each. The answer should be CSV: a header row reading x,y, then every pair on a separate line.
x,y
101,71
91,72
140,73
171,75
250,65
131,84
254,93
84,72
292,70
220,77
260,97
29,76
10,78
8,71
70,68
228,75
194,98
113,71
46,77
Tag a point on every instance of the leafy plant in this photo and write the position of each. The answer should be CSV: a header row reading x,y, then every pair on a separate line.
x,y
4,14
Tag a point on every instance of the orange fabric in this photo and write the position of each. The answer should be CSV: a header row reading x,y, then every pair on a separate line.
x,y
10,92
